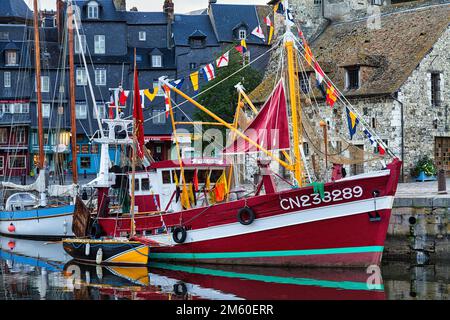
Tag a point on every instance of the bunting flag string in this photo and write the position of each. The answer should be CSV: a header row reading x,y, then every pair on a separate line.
x,y
208,72
279,8
332,95
242,48
269,24
167,99
258,32
177,83
353,121
151,95
320,75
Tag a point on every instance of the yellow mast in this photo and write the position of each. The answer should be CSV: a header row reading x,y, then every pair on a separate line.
x,y
133,168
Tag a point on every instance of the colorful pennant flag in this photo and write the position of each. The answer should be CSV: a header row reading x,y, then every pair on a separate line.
x,y
177,83
208,72
151,95
381,150
138,116
194,80
320,75
112,106
167,99
308,53
331,95
258,32
123,96
269,24
369,136
223,60
221,188
195,181
279,8
353,121
142,94
290,17
244,46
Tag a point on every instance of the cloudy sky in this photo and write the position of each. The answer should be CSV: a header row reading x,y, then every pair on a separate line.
x,y
181,6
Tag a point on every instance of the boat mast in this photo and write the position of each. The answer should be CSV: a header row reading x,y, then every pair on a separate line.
x,y
73,122
37,55
296,109
133,164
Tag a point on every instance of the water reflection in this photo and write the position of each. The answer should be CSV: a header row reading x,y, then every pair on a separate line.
x,y
42,270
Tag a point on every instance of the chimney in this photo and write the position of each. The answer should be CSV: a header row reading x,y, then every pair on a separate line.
x,y
60,18
169,10
121,5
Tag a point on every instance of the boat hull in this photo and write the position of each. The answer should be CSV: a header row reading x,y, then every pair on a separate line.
x,y
297,227
112,252
42,224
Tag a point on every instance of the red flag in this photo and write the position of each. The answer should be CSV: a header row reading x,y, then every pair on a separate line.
x,y
112,106
381,150
138,116
196,180
123,96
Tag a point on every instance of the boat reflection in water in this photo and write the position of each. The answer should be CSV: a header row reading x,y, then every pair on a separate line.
x,y
163,281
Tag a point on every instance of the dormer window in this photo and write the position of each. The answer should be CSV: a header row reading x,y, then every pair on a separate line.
x,y
156,61
93,10
242,34
11,57
352,78
197,39
142,36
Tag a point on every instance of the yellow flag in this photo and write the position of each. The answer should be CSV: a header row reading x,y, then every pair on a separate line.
x,y
151,95
208,181
175,177
270,35
194,80
191,193
221,187
185,198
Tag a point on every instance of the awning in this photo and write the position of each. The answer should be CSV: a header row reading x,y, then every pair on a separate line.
x,y
158,138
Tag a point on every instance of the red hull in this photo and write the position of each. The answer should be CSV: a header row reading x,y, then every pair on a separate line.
x,y
287,230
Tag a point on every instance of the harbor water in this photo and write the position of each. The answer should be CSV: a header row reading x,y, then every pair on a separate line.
x,y
37,270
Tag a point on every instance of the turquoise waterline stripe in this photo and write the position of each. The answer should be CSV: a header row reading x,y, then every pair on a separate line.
x,y
264,254
347,285
35,214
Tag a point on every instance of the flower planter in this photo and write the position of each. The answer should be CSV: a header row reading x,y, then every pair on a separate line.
x,y
423,177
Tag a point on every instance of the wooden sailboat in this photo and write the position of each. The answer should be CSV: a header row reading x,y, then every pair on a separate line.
x,y
345,224
27,215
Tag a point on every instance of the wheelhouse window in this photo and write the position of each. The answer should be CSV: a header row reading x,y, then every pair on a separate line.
x,y
11,57
352,78
93,10
81,77
100,47
156,61
436,89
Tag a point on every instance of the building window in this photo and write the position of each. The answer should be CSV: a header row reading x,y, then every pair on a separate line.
x,y
11,58
377,2
77,44
81,77
352,78
81,111
436,89
142,36
45,84
4,35
93,10
156,61
46,110
21,135
159,117
3,135
99,47
17,162
19,108
197,43
160,92
2,165
7,80
192,66
101,110
85,162
100,77
242,34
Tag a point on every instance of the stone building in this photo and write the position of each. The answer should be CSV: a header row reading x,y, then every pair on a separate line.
x,y
394,69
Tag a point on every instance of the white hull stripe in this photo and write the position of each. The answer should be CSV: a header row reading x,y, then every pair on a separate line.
x,y
282,220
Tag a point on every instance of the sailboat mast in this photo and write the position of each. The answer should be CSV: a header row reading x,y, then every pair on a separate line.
x,y
73,123
294,98
133,164
37,55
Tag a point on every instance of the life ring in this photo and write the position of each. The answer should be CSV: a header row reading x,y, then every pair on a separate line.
x,y
179,234
246,212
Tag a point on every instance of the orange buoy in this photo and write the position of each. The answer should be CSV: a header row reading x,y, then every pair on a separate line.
x,y
11,228
11,245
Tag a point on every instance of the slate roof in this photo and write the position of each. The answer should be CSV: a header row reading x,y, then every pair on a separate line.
x,y
186,25
390,55
144,60
226,17
15,9
107,10
145,18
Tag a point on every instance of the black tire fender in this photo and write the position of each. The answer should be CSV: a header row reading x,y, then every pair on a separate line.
x,y
246,211
179,234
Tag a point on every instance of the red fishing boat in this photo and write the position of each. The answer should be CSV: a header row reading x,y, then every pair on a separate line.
x,y
339,223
